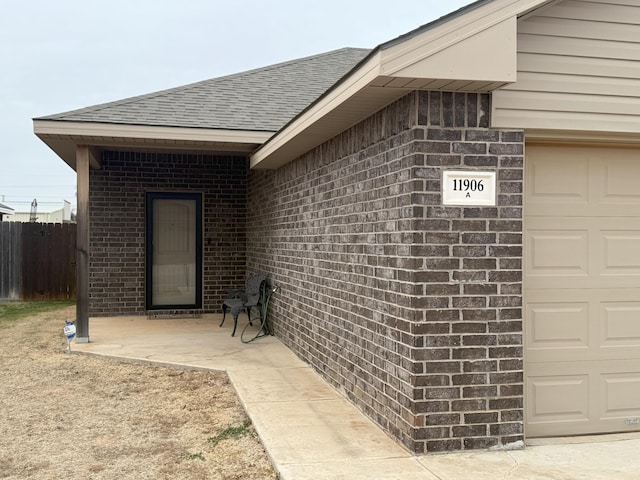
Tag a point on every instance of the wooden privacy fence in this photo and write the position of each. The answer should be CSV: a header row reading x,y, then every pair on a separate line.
x,y
37,261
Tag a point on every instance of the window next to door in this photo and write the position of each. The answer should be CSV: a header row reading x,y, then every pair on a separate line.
x,y
173,250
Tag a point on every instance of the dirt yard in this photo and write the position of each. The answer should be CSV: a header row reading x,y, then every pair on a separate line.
x,y
73,416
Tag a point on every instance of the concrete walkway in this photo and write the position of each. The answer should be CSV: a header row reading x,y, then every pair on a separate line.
x,y
311,432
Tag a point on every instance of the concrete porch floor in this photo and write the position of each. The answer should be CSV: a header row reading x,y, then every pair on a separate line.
x,y
311,432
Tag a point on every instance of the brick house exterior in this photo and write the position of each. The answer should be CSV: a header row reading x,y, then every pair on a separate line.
x,y
424,301
411,309
438,320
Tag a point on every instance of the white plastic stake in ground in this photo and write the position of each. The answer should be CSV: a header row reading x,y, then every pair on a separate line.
x,y
69,332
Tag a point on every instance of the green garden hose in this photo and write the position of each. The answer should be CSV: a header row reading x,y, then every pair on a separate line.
x,y
264,329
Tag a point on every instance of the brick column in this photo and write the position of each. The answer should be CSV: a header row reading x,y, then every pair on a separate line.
x,y
469,375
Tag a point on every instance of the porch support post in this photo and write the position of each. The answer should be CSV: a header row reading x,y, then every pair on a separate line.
x,y
82,245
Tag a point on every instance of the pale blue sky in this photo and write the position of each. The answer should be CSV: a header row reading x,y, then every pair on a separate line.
x,y
65,54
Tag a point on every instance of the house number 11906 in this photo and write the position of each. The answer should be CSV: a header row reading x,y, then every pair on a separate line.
x,y
467,185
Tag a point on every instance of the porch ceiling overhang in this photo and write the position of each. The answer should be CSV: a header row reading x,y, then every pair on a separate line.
x,y
471,50
63,137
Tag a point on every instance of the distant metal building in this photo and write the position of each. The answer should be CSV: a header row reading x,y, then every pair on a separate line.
x,y
5,211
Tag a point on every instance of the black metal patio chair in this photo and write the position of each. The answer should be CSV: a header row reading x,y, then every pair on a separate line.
x,y
244,300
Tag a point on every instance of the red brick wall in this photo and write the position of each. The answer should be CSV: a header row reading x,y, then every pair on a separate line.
x,y
410,308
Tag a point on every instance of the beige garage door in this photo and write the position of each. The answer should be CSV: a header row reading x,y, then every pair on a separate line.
x,y
582,290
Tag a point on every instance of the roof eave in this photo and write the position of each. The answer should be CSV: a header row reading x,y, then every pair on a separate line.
x,y
64,136
472,51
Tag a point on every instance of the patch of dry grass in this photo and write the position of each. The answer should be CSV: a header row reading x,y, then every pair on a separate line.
x,y
78,417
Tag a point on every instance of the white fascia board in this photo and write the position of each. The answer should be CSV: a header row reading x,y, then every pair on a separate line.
x,y
108,131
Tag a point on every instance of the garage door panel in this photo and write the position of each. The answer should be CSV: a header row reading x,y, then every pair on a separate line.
x,y
568,180
557,325
618,184
582,325
620,323
558,252
563,252
563,400
553,183
621,252
580,181
620,396
582,290
558,398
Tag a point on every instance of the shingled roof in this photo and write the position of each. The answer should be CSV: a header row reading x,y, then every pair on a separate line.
x,y
263,99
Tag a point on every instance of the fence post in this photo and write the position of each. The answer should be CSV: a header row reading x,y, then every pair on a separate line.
x,y
10,261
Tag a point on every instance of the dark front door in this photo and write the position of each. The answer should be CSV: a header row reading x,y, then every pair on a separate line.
x,y
174,250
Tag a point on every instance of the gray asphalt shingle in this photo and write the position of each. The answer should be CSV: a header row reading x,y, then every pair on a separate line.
x,y
264,99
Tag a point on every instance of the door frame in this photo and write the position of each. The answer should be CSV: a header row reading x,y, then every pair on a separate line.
x,y
149,198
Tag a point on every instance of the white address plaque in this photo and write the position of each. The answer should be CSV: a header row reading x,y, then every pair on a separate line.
x,y
464,187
